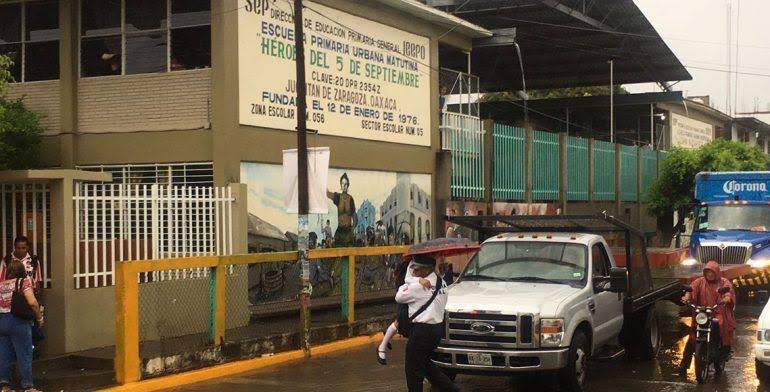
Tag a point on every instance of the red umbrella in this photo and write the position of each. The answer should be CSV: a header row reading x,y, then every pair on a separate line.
x,y
442,247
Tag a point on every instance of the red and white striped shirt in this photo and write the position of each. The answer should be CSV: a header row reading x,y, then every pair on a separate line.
x,y
32,268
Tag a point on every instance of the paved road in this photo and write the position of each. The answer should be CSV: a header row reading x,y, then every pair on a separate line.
x,y
357,371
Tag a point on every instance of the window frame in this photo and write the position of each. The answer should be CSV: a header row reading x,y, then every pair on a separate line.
x,y
23,41
123,34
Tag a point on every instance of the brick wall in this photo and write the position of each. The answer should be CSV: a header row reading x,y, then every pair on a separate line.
x,y
150,102
43,99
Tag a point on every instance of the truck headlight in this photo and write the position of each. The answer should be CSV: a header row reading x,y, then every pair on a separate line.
x,y
759,263
551,332
701,318
689,262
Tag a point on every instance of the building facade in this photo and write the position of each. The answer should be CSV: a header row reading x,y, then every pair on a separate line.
x,y
201,93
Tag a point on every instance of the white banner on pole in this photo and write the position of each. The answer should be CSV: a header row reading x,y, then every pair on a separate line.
x,y
317,173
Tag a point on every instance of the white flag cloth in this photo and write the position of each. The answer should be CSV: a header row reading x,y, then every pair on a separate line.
x,y
318,175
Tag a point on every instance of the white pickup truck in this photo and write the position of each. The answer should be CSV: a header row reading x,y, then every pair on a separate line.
x,y
547,301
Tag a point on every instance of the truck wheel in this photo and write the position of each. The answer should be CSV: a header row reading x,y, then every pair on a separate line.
x,y
574,377
641,335
648,344
763,372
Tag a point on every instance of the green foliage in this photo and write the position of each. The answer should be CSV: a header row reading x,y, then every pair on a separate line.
x,y
20,128
675,186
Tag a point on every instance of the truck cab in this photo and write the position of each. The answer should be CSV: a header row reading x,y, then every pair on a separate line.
x,y
732,219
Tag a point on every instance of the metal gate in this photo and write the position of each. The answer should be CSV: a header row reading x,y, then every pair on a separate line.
x,y
118,222
26,211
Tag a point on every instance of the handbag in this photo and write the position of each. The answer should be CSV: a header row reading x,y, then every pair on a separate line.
x,y
19,306
402,312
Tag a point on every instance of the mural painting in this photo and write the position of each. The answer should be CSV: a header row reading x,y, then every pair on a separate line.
x,y
366,208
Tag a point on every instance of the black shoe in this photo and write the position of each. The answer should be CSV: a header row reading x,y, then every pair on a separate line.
x,y
381,360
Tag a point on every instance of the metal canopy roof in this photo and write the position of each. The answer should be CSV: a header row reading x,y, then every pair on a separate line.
x,y
566,43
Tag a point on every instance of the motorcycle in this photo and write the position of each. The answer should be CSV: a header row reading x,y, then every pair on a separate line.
x,y
708,345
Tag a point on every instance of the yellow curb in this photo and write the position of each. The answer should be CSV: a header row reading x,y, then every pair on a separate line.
x,y
233,368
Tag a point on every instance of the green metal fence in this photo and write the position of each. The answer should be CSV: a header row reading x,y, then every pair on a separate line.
x,y
629,173
577,169
509,180
604,170
649,169
545,165
464,136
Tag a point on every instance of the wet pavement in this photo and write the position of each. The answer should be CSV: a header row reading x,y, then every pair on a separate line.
x,y
357,370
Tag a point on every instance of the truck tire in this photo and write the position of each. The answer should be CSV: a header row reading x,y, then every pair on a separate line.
x,y
648,344
763,372
641,335
574,377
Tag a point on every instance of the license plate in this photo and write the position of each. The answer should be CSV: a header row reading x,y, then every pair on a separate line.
x,y
480,359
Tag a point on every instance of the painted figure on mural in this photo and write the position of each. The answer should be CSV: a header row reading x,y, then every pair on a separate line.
x,y
346,214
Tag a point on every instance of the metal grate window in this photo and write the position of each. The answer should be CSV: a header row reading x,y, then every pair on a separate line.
x,y
604,170
199,174
577,169
509,171
628,173
545,166
464,136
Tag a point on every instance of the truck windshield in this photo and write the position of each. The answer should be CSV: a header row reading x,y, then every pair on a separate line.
x,y
734,217
549,262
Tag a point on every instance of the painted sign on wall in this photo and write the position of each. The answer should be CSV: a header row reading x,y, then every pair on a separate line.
x,y
364,79
689,133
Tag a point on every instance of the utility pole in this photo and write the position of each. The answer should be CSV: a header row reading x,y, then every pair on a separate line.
x,y
303,208
612,101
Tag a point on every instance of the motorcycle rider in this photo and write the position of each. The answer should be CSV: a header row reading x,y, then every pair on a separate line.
x,y
705,293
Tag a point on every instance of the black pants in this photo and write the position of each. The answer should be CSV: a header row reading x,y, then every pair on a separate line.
x,y
423,339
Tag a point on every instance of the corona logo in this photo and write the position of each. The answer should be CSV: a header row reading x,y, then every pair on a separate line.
x,y
730,187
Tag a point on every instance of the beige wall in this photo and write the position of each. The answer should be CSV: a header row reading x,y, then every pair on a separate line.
x,y
148,102
43,99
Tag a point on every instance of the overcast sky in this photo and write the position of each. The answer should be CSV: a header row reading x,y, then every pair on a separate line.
x,y
696,30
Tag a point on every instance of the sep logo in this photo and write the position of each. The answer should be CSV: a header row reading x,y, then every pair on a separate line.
x,y
730,187
259,7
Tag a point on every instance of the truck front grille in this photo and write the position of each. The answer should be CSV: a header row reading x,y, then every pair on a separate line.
x,y
490,330
732,254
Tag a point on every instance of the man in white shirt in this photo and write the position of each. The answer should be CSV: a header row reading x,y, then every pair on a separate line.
x,y
427,326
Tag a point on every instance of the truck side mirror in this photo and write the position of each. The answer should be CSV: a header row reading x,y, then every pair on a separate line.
x,y
618,280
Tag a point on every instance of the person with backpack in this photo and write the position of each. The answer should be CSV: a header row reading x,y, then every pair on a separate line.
x,y
18,309
32,271
423,324
403,274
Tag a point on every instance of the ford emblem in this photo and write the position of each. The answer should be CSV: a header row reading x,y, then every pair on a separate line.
x,y
482,328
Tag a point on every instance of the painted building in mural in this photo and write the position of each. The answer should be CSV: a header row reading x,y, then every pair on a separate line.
x,y
367,219
406,211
